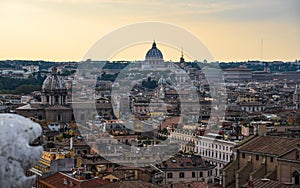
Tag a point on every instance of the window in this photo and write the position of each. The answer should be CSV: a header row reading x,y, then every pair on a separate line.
x,y
170,175
181,175
271,159
56,99
193,174
243,155
296,177
257,157
201,174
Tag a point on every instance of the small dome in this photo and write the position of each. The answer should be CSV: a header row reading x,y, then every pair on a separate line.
x,y
154,53
53,82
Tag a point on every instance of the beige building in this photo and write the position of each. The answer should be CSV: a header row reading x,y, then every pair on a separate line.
x,y
289,166
240,74
183,169
268,157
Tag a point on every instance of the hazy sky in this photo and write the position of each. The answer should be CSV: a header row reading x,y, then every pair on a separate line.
x,y
232,30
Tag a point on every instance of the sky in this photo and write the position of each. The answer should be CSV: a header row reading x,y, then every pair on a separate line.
x,y
233,30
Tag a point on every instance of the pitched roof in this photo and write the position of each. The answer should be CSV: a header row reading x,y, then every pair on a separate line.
x,y
170,121
199,184
57,107
26,107
118,174
262,183
184,163
130,184
286,156
62,180
271,145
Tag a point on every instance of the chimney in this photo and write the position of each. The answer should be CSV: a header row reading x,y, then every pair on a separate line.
x,y
250,182
71,143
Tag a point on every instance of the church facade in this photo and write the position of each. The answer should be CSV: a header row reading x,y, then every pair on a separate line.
x,y
54,106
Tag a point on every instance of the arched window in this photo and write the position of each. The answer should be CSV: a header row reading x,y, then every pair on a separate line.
x,y
58,117
56,99
296,177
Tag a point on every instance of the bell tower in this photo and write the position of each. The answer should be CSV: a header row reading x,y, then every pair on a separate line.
x,y
296,97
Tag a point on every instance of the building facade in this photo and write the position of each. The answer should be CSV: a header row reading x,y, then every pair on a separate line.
x,y
260,157
217,151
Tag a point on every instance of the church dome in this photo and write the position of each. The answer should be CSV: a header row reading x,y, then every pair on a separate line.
x,y
53,82
154,53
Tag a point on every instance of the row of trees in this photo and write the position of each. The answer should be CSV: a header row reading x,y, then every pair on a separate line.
x,y
20,86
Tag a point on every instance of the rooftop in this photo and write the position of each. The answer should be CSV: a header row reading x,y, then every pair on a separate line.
x,y
262,183
130,184
270,145
183,162
62,180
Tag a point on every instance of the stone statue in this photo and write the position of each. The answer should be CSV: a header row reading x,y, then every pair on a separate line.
x,y
16,154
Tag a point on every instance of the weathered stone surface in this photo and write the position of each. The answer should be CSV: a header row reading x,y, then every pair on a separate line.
x,y
17,156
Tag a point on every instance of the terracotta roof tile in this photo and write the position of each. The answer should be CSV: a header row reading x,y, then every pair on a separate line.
x,y
263,183
184,162
270,145
62,180
130,184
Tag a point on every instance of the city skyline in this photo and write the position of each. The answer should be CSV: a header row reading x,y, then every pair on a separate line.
x,y
64,30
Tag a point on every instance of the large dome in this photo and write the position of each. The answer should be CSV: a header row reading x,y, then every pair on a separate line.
x,y
53,82
154,53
